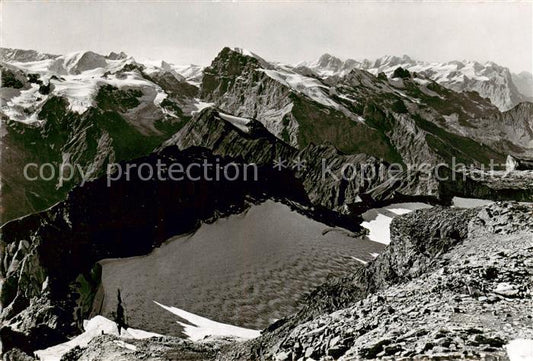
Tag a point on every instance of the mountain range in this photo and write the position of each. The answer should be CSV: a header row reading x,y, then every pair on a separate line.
x,y
54,110
91,111
489,80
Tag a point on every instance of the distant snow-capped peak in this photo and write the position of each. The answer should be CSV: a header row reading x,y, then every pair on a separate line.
x,y
489,79
77,76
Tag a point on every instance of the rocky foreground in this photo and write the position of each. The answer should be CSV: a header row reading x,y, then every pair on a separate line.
x,y
453,284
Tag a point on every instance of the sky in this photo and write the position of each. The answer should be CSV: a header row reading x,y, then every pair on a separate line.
x,y
184,32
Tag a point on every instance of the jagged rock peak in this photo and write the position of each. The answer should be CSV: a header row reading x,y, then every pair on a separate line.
x,y
329,65
117,56
392,60
328,60
227,53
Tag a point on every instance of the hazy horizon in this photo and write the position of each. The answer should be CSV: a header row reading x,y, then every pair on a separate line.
x,y
194,32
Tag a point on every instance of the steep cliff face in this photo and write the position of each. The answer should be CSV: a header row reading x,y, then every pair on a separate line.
x,y
295,108
48,258
524,83
442,267
213,129
517,124
509,132
330,178
234,83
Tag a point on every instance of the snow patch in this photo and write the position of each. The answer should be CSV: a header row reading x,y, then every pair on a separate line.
x,y
378,220
244,52
359,260
197,328
310,87
399,211
460,202
96,326
200,105
378,229
520,350
421,81
30,99
160,96
241,123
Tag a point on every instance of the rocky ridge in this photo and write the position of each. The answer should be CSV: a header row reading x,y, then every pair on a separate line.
x,y
343,182
452,284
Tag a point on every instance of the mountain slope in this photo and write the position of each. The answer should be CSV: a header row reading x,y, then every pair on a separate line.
x,y
48,257
103,109
348,183
295,108
82,111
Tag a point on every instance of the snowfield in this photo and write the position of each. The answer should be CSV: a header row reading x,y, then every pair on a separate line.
x,y
78,76
80,90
